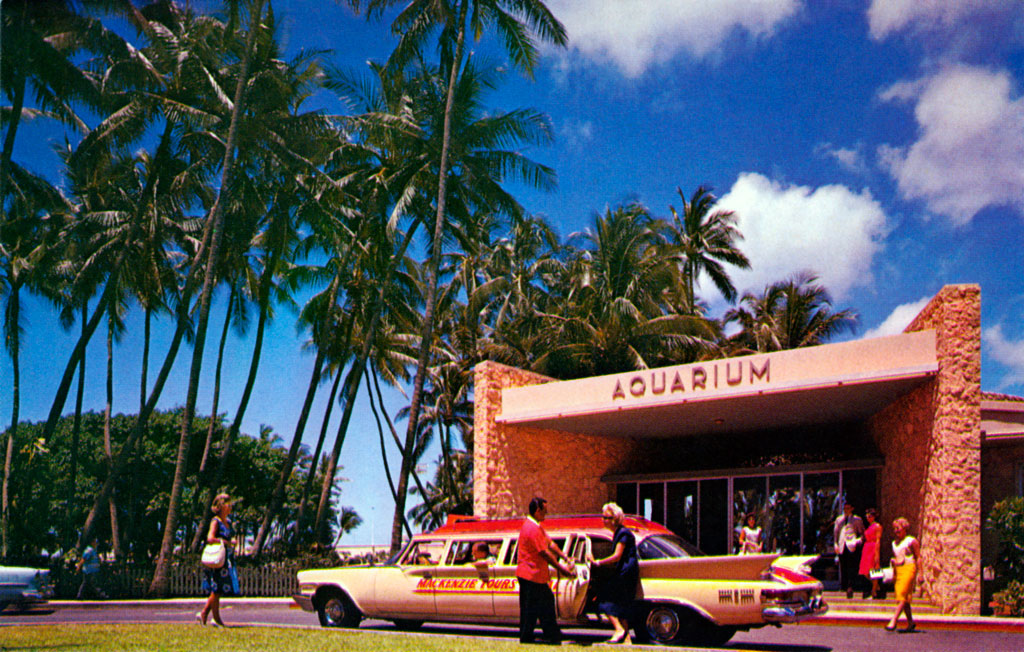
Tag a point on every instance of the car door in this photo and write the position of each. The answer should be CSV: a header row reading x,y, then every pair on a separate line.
x,y
406,590
504,585
571,592
463,590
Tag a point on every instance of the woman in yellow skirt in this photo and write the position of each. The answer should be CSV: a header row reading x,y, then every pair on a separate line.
x,y
905,552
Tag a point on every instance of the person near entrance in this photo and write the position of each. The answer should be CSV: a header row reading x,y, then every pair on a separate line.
x,y
905,552
870,559
536,551
848,535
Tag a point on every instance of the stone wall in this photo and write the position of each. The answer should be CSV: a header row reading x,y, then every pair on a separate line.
x,y
511,464
931,440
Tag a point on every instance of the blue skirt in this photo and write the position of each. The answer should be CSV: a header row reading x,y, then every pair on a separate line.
x,y
223,580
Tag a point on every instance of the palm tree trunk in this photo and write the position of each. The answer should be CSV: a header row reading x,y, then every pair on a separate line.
x,y
432,273
277,498
380,428
17,104
160,583
243,404
339,440
79,352
352,383
14,344
216,381
76,431
141,423
315,462
145,358
115,534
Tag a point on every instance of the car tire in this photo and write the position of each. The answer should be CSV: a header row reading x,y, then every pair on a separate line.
x,y
407,625
336,609
661,623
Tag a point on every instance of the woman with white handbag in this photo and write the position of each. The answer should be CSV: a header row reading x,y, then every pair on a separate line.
x,y
906,550
220,577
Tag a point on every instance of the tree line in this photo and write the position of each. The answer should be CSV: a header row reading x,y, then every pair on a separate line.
x,y
199,162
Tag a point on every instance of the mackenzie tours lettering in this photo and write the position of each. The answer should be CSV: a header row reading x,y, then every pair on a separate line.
x,y
465,585
697,378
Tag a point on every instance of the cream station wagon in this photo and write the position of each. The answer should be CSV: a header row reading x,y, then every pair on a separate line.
x,y
684,598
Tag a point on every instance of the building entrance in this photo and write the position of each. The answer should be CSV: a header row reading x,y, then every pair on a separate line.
x,y
795,509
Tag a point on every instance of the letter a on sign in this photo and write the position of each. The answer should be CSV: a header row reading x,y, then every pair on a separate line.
x,y
618,393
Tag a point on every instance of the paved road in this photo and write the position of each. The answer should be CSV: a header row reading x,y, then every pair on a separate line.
x,y
796,638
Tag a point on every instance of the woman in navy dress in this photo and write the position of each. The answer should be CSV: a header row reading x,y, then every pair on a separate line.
x,y
615,597
223,580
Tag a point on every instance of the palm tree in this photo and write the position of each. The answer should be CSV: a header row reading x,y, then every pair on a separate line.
x,y
25,238
451,492
287,179
48,39
610,310
513,20
348,520
789,314
207,260
703,239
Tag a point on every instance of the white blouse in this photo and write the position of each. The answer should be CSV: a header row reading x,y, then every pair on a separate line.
x,y
904,550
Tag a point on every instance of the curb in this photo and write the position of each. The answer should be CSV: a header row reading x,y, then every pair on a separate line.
x,y
927,621
835,618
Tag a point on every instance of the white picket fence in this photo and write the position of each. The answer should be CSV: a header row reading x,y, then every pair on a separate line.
x,y
185,581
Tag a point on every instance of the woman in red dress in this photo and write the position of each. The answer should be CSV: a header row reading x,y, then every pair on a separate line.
x,y
869,556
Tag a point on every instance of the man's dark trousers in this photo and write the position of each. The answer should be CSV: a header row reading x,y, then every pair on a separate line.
x,y
537,602
849,567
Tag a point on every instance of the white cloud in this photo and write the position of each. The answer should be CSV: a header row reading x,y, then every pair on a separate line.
x,y
1008,353
634,34
850,159
576,133
970,146
898,319
886,17
831,231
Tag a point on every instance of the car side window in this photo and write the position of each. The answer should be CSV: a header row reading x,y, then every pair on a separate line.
x,y
461,552
601,547
513,550
424,553
512,554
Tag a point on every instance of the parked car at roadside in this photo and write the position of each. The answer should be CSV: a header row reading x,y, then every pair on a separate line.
x,y
685,597
23,587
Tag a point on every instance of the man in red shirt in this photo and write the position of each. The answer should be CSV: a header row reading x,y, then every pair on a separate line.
x,y
536,601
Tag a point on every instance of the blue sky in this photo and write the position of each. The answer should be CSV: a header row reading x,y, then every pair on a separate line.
x,y
878,143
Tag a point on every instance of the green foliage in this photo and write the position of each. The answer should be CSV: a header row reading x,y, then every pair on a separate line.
x,y
1007,520
1010,601
49,517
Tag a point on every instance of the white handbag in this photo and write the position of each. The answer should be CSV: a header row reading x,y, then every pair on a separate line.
x,y
214,555
885,575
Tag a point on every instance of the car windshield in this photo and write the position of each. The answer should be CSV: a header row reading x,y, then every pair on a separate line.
x,y
667,546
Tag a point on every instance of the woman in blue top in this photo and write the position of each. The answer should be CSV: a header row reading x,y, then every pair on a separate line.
x,y
615,596
223,580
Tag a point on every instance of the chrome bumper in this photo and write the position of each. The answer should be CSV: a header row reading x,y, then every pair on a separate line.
x,y
790,613
304,601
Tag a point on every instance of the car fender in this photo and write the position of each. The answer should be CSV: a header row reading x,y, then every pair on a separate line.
x,y
677,602
339,579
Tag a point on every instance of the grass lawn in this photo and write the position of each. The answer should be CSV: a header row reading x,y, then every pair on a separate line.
x,y
189,638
